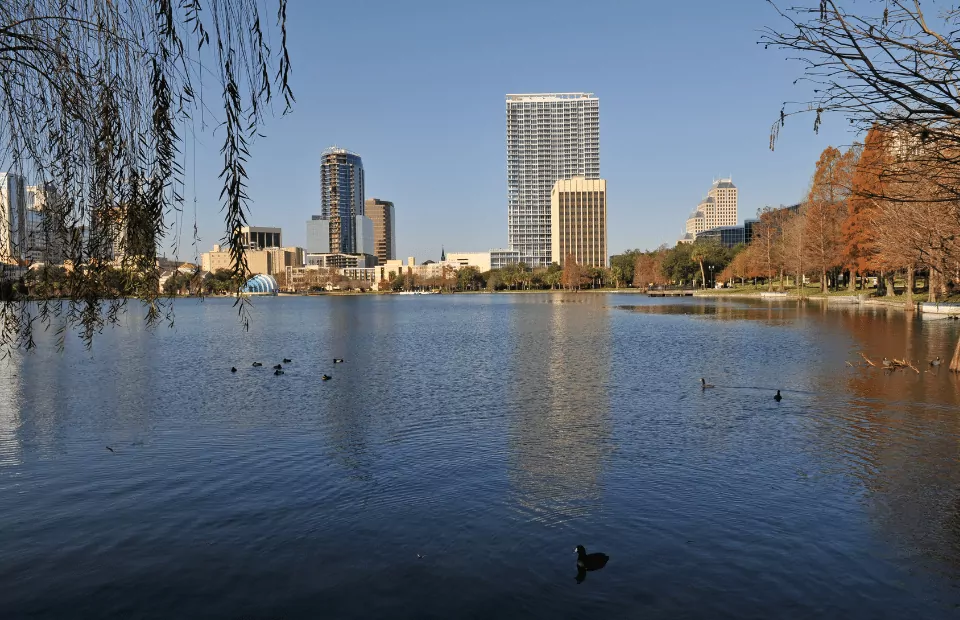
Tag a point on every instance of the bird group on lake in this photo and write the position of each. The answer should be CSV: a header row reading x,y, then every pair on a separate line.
x,y
278,369
704,385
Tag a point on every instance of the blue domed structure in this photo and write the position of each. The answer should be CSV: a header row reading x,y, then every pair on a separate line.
x,y
261,285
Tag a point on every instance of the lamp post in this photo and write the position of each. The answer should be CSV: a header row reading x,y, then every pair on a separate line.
x,y
712,282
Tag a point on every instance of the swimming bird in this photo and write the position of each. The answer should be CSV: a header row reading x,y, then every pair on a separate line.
x,y
704,385
326,377
593,561
338,360
278,372
935,362
778,398
233,369
277,367
286,361
110,449
887,363
257,364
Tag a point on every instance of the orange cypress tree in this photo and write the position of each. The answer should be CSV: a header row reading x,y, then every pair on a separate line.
x,y
861,251
826,210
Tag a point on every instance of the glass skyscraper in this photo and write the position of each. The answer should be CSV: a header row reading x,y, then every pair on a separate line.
x,y
341,197
550,136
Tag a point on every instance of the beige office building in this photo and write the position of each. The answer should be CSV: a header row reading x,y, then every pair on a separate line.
x,y
384,240
578,221
258,261
722,201
480,261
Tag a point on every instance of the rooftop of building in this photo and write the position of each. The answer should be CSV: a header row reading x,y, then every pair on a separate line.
x,y
549,96
336,150
724,184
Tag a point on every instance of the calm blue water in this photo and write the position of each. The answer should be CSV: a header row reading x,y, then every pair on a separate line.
x,y
489,434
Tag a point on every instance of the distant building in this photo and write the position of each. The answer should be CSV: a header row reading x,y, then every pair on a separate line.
x,y
478,260
365,241
318,235
260,238
730,236
727,236
268,262
13,229
340,261
341,197
578,221
724,204
44,243
550,136
501,258
717,210
384,241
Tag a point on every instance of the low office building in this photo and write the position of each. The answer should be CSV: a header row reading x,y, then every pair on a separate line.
x,y
478,260
258,261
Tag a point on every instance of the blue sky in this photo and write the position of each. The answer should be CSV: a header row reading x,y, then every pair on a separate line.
x,y
417,89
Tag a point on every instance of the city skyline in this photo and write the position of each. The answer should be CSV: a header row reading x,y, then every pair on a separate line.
x,y
657,151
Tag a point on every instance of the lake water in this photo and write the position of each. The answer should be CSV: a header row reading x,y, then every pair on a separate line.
x,y
489,434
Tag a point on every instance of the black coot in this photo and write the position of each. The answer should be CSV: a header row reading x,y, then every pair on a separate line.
x,y
593,561
778,398
233,369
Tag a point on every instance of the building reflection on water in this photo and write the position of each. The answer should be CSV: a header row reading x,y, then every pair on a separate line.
x,y
11,450
559,426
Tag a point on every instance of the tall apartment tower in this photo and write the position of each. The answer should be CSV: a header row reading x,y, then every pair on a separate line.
x,y
384,241
550,136
578,221
13,229
723,207
341,197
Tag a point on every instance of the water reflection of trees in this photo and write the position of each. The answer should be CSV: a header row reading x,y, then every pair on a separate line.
x,y
774,313
902,429
559,425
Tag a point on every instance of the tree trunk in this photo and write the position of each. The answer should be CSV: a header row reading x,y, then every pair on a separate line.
x,y
908,301
781,281
703,276
852,284
823,281
891,292
955,362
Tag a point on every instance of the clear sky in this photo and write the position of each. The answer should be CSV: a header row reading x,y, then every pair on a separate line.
x,y
417,87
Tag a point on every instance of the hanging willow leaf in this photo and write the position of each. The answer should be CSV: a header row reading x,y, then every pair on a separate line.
x,y
95,100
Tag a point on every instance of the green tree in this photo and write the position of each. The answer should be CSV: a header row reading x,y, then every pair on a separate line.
x,y
626,262
678,265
